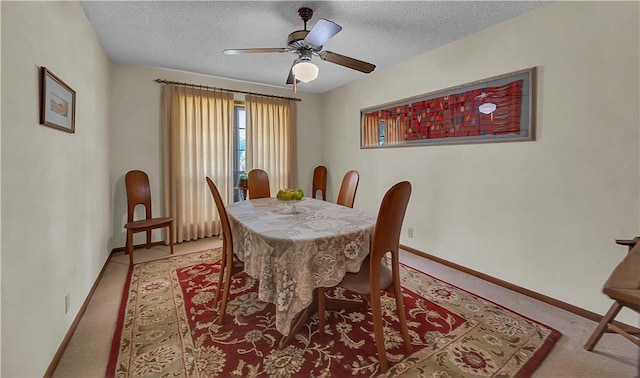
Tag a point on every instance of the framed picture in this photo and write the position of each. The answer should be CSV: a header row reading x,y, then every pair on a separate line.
x,y
57,103
497,109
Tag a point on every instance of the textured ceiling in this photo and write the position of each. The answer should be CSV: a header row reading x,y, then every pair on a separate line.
x,y
190,35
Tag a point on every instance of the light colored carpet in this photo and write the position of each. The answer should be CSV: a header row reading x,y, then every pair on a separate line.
x,y
87,354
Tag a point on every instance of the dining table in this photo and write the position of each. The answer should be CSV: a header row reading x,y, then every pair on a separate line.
x,y
292,248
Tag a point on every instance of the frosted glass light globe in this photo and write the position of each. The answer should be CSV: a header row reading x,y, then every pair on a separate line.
x,y
305,71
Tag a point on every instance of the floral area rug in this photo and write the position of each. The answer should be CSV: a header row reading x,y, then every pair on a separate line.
x,y
167,328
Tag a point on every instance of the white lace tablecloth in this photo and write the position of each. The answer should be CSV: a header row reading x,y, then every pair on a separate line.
x,y
292,254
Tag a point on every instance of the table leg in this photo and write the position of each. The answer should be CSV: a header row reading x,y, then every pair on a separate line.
x,y
303,316
299,321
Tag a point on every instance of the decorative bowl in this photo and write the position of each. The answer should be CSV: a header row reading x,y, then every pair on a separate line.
x,y
290,206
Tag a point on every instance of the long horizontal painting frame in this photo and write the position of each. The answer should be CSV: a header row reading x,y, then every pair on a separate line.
x,y
497,109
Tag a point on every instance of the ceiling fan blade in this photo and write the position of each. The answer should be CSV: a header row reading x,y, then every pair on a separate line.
x,y
291,77
254,51
346,61
322,31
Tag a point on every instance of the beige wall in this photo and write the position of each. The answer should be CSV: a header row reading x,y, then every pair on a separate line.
x,y
136,138
543,214
56,203
540,214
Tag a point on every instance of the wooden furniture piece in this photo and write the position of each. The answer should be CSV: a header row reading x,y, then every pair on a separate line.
x,y
258,181
292,254
242,185
623,286
230,266
348,188
374,274
139,193
319,182
243,191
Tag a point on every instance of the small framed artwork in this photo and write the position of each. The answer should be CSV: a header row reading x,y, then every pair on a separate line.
x,y
496,109
57,103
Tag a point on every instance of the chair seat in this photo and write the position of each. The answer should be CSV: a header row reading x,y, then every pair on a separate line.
x,y
359,282
146,223
628,297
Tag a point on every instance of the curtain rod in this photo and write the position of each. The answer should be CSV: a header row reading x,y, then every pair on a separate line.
x,y
161,81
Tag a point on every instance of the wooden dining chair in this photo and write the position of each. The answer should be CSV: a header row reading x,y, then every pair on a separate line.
x,y
623,286
374,275
347,193
139,193
230,266
319,182
258,181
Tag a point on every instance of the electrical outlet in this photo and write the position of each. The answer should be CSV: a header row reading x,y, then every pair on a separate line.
x,y
410,232
67,303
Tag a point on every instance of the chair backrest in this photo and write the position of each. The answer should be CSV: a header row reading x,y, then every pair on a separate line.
x,y
320,182
258,182
224,219
386,237
138,192
348,188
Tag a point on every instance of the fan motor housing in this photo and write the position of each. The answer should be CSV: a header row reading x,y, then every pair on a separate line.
x,y
296,41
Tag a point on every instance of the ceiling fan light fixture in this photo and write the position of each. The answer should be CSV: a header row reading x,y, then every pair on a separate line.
x,y
306,43
305,71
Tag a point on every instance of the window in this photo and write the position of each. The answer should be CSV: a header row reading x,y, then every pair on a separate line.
x,y
240,146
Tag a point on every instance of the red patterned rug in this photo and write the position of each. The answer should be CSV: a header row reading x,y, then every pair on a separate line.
x,y
167,328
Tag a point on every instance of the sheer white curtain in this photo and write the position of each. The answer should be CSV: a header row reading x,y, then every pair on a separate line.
x,y
197,142
271,140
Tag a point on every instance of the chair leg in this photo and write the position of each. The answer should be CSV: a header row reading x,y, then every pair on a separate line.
x,y
171,241
602,327
321,309
620,331
227,287
402,317
130,245
376,312
223,264
148,239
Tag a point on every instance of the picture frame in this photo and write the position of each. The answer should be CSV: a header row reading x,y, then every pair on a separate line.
x,y
497,109
57,103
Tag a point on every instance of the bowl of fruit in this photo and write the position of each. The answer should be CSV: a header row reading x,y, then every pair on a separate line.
x,y
290,197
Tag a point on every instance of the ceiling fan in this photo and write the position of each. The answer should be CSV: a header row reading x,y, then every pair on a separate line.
x,y
306,43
